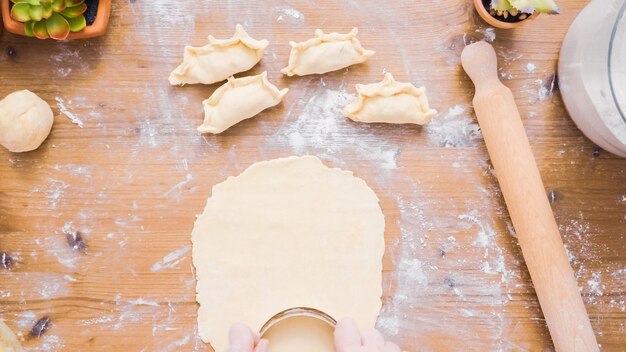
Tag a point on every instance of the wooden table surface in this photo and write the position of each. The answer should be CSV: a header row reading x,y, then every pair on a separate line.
x,y
134,174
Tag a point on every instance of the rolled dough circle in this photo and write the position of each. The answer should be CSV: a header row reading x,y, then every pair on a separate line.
x,y
287,233
25,121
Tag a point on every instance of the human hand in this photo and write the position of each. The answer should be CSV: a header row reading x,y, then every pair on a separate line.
x,y
242,339
349,339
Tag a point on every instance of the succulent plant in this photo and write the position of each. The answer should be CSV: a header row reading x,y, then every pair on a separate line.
x,y
522,8
50,18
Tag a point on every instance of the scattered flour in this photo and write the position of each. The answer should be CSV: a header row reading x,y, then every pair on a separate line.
x,y
70,278
64,110
530,67
66,58
413,268
177,190
176,344
25,319
595,286
505,74
455,130
456,110
288,15
488,34
543,93
167,14
48,285
411,276
53,191
63,71
51,343
149,133
171,260
591,273
99,320
493,255
544,89
183,341
75,170
143,302
426,268
322,129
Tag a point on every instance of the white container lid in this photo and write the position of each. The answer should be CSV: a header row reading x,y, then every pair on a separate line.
x,y
592,73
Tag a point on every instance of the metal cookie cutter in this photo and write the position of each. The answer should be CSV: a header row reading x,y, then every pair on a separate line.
x,y
297,312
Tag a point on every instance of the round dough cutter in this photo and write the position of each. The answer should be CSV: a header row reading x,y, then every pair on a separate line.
x,y
297,312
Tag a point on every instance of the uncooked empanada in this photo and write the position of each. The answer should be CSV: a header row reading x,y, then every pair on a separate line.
x,y
325,53
391,102
237,100
219,59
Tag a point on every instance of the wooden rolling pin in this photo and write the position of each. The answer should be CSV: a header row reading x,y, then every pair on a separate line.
x,y
526,200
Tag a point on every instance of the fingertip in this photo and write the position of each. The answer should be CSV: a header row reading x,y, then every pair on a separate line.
x,y
240,335
262,346
345,323
347,335
373,338
392,347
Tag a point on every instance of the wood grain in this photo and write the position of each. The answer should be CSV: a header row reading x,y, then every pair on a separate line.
x,y
115,179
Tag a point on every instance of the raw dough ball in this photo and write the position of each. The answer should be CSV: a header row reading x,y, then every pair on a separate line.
x,y
287,233
25,121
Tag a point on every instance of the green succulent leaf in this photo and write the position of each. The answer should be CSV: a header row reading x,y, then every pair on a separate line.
x,y
530,6
525,6
77,24
33,2
546,6
58,5
58,27
35,12
71,3
74,11
19,12
28,28
47,10
500,5
18,1
39,29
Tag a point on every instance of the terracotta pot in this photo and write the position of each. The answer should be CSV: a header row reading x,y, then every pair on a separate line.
x,y
96,29
485,15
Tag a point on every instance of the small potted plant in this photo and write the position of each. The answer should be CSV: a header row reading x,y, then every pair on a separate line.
x,y
56,19
508,14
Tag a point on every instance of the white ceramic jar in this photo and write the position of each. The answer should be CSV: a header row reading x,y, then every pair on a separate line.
x,y
592,73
